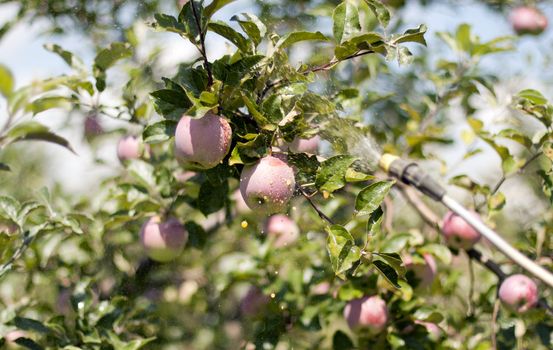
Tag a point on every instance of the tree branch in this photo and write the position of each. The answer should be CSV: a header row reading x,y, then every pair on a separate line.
x,y
519,171
202,49
321,214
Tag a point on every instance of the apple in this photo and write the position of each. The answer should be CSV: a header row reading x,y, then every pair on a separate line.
x,y
202,143
268,185
130,147
424,273
163,241
12,336
8,227
368,312
433,330
283,229
92,126
321,288
528,20
458,233
253,302
299,145
240,203
519,292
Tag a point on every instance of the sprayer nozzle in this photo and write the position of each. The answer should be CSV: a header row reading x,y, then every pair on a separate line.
x,y
386,161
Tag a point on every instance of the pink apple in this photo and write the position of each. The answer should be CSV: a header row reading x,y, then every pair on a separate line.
x,y
283,229
163,240
12,336
240,203
253,302
300,145
528,20
458,233
519,292
130,147
433,330
368,312
92,126
424,273
321,288
184,176
202,143
268,185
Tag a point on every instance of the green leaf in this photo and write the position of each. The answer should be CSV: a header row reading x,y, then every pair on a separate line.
x,y
215,6
331,174
259,118
142,172
28,324
395,243
295,37
171,104
387,272
9,207
370,198
107,57
252,26
168,23
394,260
340,341
534,96
45,103
6,81
30,131
412,35
248,152
342,249
428,314
404,56
346,21
28,344
194,20
230,34
212,197
69,58
159,132
380,11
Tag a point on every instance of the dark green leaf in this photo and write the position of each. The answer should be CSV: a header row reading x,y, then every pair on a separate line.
x,y
116,51
250,151
259,118
169,23
4,167
340,341
31,325
28,344
394,260
171,104
230,34
255,29
370,198
194,20
331,174
387,272
159,132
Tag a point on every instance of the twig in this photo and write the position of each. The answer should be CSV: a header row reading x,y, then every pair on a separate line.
x,y
321,214
323,67
519,171
470,311
489,264
202,49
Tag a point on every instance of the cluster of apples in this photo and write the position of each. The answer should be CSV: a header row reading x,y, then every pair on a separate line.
x,y
528,20
266,186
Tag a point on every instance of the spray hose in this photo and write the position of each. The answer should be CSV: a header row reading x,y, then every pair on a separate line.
x,y
412,174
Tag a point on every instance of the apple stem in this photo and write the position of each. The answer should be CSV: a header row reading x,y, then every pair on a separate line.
x,y
321,214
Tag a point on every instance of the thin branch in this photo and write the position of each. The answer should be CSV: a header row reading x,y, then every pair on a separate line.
x,y
520,171
488,263
323,67
202,49
321,214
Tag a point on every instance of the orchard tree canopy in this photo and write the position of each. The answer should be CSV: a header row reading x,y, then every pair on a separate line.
x,y
205,174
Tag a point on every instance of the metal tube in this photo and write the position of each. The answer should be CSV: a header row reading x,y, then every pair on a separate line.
x,y
512,253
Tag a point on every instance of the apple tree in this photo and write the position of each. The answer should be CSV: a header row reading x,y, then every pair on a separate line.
x,y
243,205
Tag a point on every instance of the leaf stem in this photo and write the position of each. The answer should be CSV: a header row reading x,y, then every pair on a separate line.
x,y
202,48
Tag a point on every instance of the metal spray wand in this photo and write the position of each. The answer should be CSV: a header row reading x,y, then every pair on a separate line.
x,y
412,174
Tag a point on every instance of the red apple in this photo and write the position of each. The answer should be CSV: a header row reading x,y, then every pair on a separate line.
x,y
202,143
458,233
425,272
300,145
253,302
163,240
433,330
528,20
268,185
519,292
283,229
368,312
130,147
92,126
